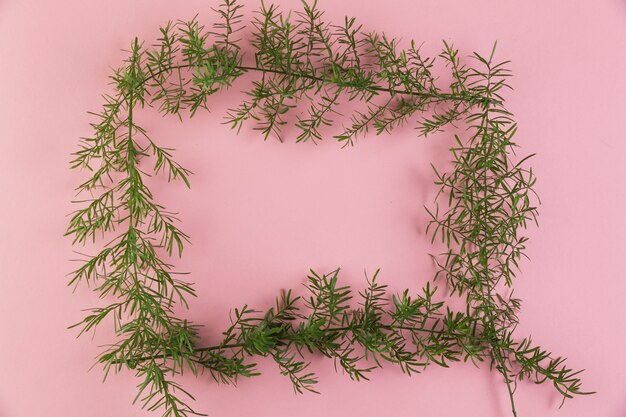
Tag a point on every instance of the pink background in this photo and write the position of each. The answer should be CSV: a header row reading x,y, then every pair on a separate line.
x,y
261,214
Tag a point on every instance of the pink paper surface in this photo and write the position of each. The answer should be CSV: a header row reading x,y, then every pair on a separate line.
x,y
262,214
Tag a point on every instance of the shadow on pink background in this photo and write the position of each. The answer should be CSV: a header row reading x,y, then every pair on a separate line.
x,y
261,214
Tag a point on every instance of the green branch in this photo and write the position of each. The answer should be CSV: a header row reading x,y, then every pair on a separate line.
x,y
302,62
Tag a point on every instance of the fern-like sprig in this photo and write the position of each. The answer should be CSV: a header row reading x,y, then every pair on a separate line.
x,y
302,62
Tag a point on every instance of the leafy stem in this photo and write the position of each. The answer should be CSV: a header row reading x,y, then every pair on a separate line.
x,y
485,202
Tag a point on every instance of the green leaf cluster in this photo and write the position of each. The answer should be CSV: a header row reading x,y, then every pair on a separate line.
x,y
302,71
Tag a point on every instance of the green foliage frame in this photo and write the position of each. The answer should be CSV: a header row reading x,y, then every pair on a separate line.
x,y
484,202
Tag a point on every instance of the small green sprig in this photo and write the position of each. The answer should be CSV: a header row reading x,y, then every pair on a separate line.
x,y
301,62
